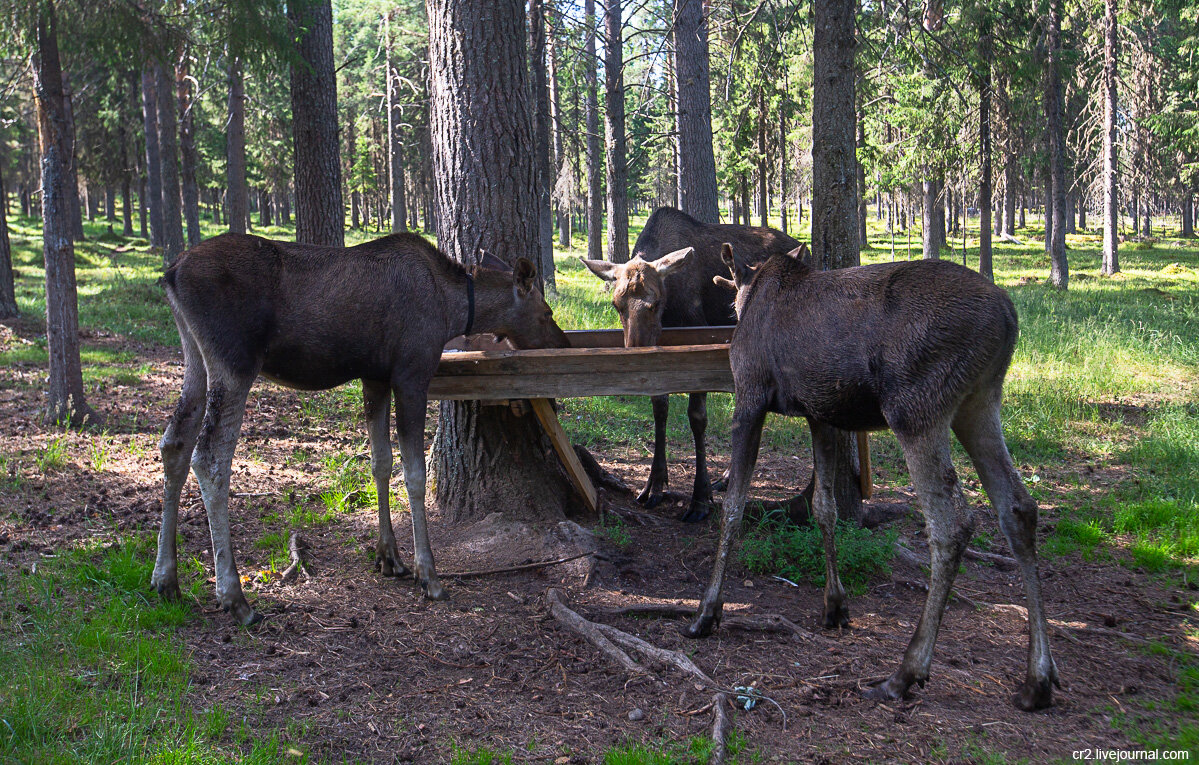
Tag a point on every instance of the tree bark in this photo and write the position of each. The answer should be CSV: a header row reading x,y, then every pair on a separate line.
x,y
1059,274
320,212
238,194
187,152
542,129
1188,215
168,146
1111,167
559,159
153,191
834,186
8,294
693,97
595,203
395,147
863,242
934,217
614,136
785,213
985,48
486,459
72,178
66,402
763,194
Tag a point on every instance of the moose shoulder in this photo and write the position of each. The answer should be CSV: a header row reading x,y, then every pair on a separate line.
x,y
670,282
918,347
312,318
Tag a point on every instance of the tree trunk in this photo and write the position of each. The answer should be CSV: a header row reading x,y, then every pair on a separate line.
x,y
595,202
142,212
559,143
863,241
1111,166
1188,215
934,218
486,459
187,153
542,129
127,205
763,194
834,185
8,293
320,213
783,167
152,197
66,403
110,203
238,194
985,44
696,160
395,147
264,207
72,177
614,136
1059,274
168,146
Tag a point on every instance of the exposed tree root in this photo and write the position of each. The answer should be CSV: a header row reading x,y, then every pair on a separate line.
x,y
596,472
512,569
295,549
745,623
722,723
1001,562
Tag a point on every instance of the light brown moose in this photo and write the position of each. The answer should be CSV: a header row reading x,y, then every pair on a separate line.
x,y
312,318
918,347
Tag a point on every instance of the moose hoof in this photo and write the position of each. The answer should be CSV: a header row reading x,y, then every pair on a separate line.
x,y
721,483
241,611
434,590
388,563
1033,695
649,498
167,588
891,689
835,617
698,511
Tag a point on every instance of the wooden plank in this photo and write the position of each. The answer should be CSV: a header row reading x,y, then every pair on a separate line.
x,y
671,336
865,481
553,428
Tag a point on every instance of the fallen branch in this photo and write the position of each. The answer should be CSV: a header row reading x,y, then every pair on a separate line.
x,y
295,549
589,630
1001,562
721,724
596,472
511,569
745,623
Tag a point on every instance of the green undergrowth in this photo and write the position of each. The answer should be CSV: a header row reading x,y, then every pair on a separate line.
x,y
777,546
90,670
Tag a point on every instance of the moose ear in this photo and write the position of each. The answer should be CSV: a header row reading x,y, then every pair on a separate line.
x,y
524,276
671,261
487,260
609,272
802,254
742,272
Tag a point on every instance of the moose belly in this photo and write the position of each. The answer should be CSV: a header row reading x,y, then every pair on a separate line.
x,y
301,368
846,407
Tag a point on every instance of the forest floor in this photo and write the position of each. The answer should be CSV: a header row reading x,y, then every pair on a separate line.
x,y
350,666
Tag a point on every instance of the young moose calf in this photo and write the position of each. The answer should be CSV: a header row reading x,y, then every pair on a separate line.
x,y
312,318
919,347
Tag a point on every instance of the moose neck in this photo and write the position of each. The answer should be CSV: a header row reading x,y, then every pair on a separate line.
x,y
491,295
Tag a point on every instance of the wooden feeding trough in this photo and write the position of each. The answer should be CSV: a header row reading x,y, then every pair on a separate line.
x,y
688,360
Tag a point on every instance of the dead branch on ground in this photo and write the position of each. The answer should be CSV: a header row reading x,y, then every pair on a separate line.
x,y
295,549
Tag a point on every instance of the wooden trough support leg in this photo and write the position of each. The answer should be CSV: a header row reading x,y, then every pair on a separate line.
x,y
549,420
864,480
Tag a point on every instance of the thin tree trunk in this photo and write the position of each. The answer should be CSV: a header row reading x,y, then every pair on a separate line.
x,y
783,167
985,44
127,205
320,213
1111,165
66,402
834,185
542,129
614,136
73,167
595,202
143,197
187,153
110,203
8,294
486,459
763,194
1188,215
395,147
1059,274
238,194
696,160
934,217
153,191
559,144
168,146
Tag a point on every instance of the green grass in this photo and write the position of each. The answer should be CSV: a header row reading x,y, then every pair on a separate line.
x,y
776,546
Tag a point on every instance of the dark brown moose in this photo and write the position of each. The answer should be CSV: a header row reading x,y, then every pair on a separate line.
x,y
918,347
669,283
312,318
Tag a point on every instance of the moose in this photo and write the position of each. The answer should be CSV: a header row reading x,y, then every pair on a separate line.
x,y
918,347
312,318
669,282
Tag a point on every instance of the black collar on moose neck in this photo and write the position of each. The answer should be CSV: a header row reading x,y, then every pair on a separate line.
x,y
470,304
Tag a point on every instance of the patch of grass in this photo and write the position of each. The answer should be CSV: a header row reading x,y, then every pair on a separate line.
x,y
777,546
1173,723
693,751
98,450
52,456
483,756
1069,535
612,528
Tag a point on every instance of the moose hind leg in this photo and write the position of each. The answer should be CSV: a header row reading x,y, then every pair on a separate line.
x,y
651,495
376,399
212,463
950,523
824,511
981,433
410,420
701,494
176,450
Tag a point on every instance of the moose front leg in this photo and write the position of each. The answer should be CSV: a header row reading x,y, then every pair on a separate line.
x,y
410,421
701,494
651,495
376,400
746,437
824,510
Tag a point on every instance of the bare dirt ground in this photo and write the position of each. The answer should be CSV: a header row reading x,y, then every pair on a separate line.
x,y
372,671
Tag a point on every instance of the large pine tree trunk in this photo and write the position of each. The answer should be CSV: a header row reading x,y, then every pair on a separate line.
x,y
693,99
66,403
1111,166
984,146
1059,273
834,186
934,217
541,148
238,194
614,136
187,153
595,202
320,213
486,459
152,198
168,146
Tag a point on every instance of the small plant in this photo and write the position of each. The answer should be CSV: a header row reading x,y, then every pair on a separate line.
x,y
53,456
98,452
778,546
612,528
